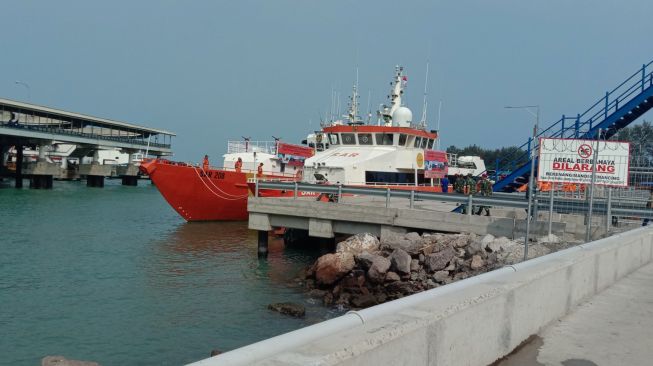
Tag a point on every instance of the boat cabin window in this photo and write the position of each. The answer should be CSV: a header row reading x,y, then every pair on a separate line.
x,y
402,139
424,142
384,139
365,139
348,139
418,141
431,141
333,138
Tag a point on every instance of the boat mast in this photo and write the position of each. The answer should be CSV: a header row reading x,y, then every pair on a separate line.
x,y
395,95
422,123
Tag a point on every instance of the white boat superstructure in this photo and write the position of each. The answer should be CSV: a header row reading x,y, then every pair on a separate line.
x,y
390,152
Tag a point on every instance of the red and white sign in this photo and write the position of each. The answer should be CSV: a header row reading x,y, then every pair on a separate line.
x,y
572,161
435,164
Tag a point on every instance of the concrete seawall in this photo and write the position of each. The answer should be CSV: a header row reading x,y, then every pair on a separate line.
x,y
471,322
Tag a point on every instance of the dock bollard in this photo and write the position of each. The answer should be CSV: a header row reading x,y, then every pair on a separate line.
x,y
262,244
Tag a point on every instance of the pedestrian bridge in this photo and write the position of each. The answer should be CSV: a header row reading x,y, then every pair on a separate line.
x,y
29,124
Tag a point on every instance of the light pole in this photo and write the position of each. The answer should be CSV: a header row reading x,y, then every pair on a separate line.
x,y
531,180
29,90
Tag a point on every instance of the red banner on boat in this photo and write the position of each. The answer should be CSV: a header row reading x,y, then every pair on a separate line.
x,y
293,154
295,150
435,164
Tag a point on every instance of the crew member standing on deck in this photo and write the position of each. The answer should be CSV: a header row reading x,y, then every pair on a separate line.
x,y
205,163
444,184
260,170
239,165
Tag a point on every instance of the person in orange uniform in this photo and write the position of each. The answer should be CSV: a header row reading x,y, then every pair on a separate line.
x,y
205,163
239,165
260,170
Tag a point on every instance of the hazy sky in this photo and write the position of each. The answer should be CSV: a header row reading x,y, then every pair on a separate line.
x,y
216,70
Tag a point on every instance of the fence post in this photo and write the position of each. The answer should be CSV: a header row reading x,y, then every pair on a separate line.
x,y
412,197
469,205
562,129
551,207
256,190
608,211
595,155
339,192
387,198
295,191
607,95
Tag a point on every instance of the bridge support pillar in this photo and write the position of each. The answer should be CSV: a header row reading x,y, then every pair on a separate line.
x,y
19,166
95,172
262,244
40,182
95,181
129,173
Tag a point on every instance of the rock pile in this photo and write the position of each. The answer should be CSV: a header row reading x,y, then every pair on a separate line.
x,y
365,272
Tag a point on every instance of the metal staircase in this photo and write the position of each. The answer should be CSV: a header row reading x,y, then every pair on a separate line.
x,y
616,110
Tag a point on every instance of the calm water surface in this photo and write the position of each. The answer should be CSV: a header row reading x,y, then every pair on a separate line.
x,y
113,275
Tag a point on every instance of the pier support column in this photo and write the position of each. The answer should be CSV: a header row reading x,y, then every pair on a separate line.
x,y
41,182
129,173
262,244
19,166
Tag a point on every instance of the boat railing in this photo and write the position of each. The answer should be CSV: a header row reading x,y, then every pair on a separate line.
x,y
240,146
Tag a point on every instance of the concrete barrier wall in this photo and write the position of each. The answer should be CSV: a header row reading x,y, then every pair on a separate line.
x,y
471,322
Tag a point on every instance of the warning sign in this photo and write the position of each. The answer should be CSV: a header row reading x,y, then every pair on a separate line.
x,y
572,161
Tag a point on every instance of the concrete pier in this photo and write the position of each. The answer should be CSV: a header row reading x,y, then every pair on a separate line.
x,y
363,214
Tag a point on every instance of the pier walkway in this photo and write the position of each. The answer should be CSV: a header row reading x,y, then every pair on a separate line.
x,y
613,328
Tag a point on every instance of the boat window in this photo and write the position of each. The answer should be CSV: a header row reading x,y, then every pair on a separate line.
x,y
418,141
424,142
365,139
402,139
384,139
348,139
431,143
333,138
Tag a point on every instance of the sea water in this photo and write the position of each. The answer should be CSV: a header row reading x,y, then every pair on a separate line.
x,y
114,275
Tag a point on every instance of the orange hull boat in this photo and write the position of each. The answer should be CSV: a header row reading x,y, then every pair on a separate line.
x,y
201,195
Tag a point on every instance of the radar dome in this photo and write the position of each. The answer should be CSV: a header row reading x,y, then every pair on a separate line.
x,y
402,117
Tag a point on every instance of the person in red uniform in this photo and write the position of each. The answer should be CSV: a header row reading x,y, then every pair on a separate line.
x,y
239,165
205,164
260,170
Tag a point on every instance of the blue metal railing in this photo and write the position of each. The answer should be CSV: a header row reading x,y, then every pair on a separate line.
x,y
584,124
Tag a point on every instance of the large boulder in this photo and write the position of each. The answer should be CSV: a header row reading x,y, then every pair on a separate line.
x,y
359,243
378,269
438,261
410,243
500,244
487,239
332,267
477,262
441,276
289,308
400,261
365,259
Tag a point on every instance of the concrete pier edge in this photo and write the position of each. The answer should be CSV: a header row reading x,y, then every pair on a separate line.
x,y
475,321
